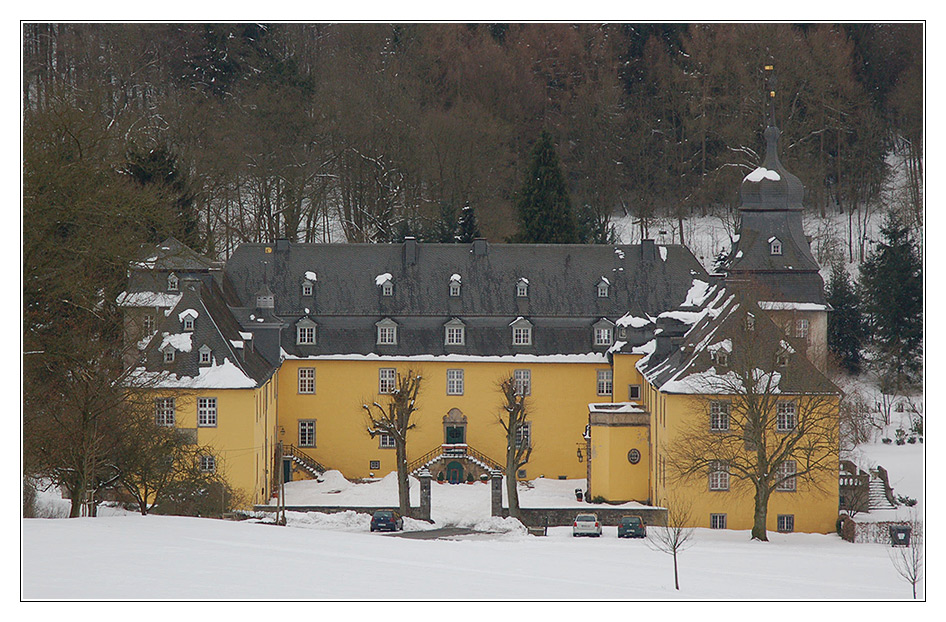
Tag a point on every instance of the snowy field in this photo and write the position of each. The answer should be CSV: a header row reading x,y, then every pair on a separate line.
x,y
334,556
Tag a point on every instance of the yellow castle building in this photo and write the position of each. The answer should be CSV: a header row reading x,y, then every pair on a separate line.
x,y
644,375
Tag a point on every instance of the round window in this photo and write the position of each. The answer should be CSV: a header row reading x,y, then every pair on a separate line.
x,y
634,456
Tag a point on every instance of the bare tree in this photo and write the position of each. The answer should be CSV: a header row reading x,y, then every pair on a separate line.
x,y
764,415
394,420
676,536
514,420
908,560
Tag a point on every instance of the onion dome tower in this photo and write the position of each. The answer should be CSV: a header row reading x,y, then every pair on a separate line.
x,y
772,255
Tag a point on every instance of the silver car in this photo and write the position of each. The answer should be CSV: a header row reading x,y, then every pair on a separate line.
x,y
586,525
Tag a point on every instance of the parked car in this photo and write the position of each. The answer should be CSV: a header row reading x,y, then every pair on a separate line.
x,y
386,520
632,527
586,525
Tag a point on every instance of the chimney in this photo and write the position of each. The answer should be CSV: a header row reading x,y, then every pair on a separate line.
x,y
479,247
282,245
410,251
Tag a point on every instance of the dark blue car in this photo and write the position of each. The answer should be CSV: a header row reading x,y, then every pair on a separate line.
x,y
386,520
632,527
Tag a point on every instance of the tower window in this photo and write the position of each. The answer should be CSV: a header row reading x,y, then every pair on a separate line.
x,y
775,246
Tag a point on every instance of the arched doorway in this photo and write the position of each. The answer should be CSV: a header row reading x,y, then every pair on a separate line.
x,y
454,427
454,472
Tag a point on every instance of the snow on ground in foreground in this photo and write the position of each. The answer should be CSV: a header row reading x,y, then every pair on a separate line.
x,y
334,556
158,557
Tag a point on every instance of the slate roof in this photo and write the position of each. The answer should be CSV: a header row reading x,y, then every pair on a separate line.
x,y
214,326
686,365
562,303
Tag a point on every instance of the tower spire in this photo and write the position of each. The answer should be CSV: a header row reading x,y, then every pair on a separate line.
x,y
770,92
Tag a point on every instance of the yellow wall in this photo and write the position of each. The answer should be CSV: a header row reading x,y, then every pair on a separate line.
x,y
558,408
243,437
612,475
815,508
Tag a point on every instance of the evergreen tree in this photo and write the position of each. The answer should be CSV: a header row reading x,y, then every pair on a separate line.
x,y
845,324
467,229
544,208
892,291
160,170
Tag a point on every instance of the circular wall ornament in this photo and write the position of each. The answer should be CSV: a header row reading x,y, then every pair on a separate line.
x,y
633,456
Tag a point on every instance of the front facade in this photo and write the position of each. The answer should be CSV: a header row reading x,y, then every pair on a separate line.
x,y
615,348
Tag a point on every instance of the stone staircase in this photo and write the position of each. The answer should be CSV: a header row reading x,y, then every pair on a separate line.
x,y
877,493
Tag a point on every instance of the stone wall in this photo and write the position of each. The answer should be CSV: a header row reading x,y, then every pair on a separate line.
x,y
609,516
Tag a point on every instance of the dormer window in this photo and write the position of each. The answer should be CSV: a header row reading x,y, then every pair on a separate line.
x,y
265,299
454,333
169,355
205,355
720,358
775,246
521,332
750,322
306,288
604,288
305,332
387,332
522,288
386,283
603,331
454,285
188,319
173,283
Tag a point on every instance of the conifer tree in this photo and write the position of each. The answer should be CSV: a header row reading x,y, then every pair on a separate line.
x,y
892,289
467,229
845,323
544,208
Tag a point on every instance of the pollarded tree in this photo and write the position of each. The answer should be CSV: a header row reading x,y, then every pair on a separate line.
x,y
764,416
515,423
892,289
845,324
544,208
394,420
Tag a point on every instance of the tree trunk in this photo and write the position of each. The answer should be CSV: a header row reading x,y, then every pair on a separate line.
x,y
403,483
512,490
760,514
676,575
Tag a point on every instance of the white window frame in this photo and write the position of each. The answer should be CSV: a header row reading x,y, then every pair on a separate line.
x,y
208,464
720,413
387,335
169,355
603,290
785,523
604,336
306,433
455,382
188,323
524,434
387,288
164,411
204,356
522,289
387,380
775,247
786,416
306,380
717,521
605,382
307,288
631,390
454,289
174,283
750,322
206,412
305,335
787,469
454,335
523,380
522,335
148,325
386,441
719,476
802,328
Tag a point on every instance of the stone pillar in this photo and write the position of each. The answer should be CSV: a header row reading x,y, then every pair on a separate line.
x,y
496,492
424,476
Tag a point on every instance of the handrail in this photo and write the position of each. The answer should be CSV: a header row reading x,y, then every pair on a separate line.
x,y
454,449
301,456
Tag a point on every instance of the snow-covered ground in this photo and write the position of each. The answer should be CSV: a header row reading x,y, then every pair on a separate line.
x,y
334,556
